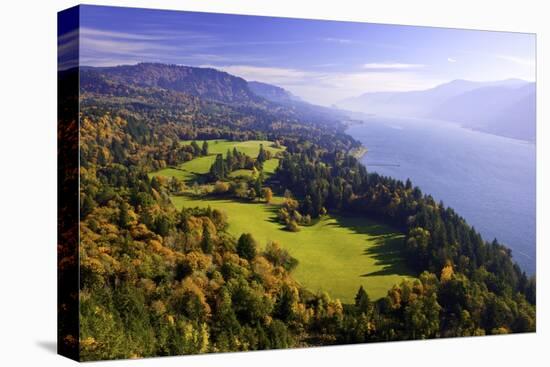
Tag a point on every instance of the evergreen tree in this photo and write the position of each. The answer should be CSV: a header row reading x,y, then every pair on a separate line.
x,y
217,170
284,307
155,183
207,243
258,187
229,160
262,155
362,301
196,148
124,217
246,246
88,204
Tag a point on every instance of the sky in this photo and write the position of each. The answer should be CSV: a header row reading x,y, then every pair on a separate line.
x,y
320,61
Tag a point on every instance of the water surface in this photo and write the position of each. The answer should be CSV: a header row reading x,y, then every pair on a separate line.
x,y
488,179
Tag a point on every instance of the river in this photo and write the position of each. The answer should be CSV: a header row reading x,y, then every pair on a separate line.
x,y
489,180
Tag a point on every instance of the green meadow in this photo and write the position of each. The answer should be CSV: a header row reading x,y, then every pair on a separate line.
x,y
336,254
189,171
249,147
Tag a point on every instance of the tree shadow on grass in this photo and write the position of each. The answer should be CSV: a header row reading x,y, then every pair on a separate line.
x,y
219,198
272,208
273,214
386,248
385,245
388,253
195,178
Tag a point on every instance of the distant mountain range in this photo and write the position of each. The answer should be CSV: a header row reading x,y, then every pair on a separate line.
x,y
504,108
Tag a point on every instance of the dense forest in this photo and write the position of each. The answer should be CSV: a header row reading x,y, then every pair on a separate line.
x,y
155,280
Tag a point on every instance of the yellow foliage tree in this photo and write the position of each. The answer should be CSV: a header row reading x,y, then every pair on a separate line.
x,y
447,273
267,194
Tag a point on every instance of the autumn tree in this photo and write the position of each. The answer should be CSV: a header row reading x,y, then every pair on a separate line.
x,y
267,194
221,187
292,226
279,256
447,272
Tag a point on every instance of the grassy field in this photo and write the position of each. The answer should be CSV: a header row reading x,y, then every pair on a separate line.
x,y
241,173
189,171
337,254
269,168
249,147
270,165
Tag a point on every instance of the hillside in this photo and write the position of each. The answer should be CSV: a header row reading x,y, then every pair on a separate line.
x,y
272,92
218,97
502,107
206,83
507,111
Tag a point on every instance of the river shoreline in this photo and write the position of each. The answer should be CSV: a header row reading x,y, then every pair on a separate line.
x,y
359,153
467,169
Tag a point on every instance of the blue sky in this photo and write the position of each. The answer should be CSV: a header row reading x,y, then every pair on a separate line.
x,y
320,61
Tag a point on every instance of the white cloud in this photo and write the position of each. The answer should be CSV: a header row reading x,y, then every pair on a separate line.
x,y
391,66
518,60
117,47
273,75
321,85
98,33
450,59
100,47
326,88
338,40
152,35
337,86
109,48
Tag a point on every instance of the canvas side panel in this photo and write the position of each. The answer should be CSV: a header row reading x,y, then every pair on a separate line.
x,y
68,183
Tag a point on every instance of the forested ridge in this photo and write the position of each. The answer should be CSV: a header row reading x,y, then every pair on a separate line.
x,y
160,281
